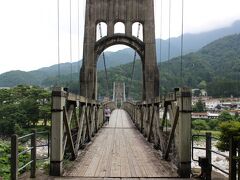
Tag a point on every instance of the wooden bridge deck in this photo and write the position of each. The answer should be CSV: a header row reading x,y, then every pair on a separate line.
x,y
119,150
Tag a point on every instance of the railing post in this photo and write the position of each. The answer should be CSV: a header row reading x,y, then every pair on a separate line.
x,y
209,155
141,118
232,159
14,157
183,130
33,154
238,147
56,158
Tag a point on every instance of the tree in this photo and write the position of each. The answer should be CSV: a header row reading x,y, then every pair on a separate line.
x,y
213,124
202,85
228,129
199,106
197,93
23,106
31,110
199,124
236,116
225,116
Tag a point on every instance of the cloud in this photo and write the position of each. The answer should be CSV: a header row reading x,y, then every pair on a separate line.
x,y
28,34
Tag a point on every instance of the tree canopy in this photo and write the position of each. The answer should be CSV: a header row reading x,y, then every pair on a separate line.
x,y
22,107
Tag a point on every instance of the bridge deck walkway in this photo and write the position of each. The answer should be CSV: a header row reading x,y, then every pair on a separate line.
x,y
119,150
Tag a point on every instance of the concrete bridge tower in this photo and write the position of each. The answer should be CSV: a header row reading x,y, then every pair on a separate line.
x,y
127,12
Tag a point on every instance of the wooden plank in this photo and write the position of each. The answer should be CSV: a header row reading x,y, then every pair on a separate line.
x,y
164,115
119,151
96,119
80,129
88,130
69,133
96,159
70,114
125,167
176,116
151,124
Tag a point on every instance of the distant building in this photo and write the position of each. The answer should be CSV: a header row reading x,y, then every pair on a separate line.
x,y
234,112
199,92
5,88
211,104
204,115
199,115
203,92
212,115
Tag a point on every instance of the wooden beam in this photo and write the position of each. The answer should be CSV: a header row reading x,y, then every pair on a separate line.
x,y
164,116
151,123
82,118
176,116
88,130
68,131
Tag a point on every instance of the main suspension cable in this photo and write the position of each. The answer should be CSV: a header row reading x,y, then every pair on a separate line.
x,y
169,32
181,71
70,36
160,46
58,41
134,61
78,29
79,62
104,61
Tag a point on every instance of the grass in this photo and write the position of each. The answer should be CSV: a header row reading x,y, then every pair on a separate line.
x,y
38,128
214,133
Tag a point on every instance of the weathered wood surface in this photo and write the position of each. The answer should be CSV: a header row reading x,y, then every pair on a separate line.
x,y
94,178
119,150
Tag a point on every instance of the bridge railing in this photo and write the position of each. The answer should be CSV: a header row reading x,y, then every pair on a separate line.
x,y
205,162
32,150
166,122
75,120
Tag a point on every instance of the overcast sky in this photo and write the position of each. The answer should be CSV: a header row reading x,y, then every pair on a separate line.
x,y
28,32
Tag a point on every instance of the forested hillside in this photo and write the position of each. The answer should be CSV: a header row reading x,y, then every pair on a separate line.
x,y
192,43
216,66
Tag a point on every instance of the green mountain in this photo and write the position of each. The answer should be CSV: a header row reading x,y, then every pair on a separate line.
x,y
218,64
215,67
192,43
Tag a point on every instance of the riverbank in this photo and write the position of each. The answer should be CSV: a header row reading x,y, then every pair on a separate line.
x,y
217,160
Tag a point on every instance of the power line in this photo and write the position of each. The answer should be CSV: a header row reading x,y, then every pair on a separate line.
x,y
181,73
58,40
70,36
78,31
169,32
160,45
134,60
104,61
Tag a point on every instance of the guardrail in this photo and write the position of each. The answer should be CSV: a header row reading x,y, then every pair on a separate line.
x,y
75,120
206,162
15,154
166,122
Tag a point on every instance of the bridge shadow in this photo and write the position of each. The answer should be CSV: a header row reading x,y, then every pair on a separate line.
x,y
120,151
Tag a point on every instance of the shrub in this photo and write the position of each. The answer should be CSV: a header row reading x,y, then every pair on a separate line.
x,y
5,159
228,129
225,116
200,124
213,124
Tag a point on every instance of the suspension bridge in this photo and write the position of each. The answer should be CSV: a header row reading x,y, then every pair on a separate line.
x,y
147,139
